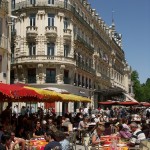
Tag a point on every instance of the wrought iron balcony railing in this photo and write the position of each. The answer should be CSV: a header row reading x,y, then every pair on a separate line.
x,y
80,39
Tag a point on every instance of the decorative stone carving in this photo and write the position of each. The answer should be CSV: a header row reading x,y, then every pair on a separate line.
x,y
20,67
41,12
59,79
40,65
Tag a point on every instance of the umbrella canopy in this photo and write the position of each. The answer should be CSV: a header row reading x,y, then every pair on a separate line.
x,y
108,103
56,90
146,104
48,96
18,93
128,103
67,97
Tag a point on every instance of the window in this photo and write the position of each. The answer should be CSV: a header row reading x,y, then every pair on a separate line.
x,y
32,49
65,3
32,75
1,25
0,63
66,50
32,1
50,1
66,77
50,49
50,75
51,20
32,19
79,83
13,4
82,81
65,23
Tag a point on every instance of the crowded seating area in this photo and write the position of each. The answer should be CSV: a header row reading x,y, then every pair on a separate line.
x,y
115,128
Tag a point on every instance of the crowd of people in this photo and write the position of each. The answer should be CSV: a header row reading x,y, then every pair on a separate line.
x,y
130,124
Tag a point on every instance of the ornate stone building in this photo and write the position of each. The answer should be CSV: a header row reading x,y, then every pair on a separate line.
x,y
66,44
4,42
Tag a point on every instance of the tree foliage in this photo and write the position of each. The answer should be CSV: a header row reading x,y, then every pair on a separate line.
x,y
141,91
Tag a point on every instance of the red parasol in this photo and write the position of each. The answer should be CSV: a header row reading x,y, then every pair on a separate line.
x,y
146,104
108,103
17,92
128,103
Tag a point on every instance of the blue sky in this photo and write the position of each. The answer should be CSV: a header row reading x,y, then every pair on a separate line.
x,y
132,20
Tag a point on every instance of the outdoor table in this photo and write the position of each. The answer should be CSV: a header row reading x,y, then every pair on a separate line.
x,y
36,144
120,144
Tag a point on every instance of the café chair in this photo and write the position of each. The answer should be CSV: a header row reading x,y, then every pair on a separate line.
x,y
72,140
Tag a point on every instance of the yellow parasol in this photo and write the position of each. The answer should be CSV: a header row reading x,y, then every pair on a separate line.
x,y
74,98
48,96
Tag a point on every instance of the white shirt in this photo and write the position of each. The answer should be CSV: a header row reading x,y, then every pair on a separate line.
x,y
137,136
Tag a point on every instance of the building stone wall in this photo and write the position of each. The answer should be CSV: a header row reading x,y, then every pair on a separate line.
x,y
5,41
87,54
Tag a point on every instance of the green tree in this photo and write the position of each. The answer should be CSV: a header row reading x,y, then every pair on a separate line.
x,y
137,86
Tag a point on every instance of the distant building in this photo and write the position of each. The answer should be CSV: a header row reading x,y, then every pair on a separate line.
x,y
65,44
4,41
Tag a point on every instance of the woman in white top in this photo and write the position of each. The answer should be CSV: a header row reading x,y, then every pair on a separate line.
x,y
97,134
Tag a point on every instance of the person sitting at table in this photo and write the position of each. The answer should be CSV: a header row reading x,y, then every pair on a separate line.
x,y
38,132
83,124
20,132
65,123
61,138
17,142
97,133
51,125
137,135
108,128
51,139
5,142
123,132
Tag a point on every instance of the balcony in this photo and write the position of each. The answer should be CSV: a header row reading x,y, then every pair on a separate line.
x,y
51,31
67,34
86,44
86,68
31,31
44,59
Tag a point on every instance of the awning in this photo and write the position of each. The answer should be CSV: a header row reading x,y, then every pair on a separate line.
x,y
129,98
110,91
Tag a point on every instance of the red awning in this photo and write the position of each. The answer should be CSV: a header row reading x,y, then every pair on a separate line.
x,y
129,103
18,92
108,103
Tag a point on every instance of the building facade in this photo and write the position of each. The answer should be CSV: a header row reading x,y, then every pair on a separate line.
x,y
4,41
66,44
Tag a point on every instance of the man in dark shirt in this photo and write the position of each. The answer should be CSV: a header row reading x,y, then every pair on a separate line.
x,y
50,137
